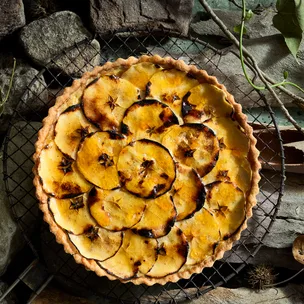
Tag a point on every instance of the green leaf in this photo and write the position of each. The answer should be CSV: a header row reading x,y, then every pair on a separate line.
x,y
299,6
237,29
286,22
285,74
248,15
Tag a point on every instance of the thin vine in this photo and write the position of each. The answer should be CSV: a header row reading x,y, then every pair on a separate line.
x,y
3,101
279,84
264,77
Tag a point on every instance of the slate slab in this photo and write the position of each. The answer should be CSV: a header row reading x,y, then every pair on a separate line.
x,y
109,15
45,38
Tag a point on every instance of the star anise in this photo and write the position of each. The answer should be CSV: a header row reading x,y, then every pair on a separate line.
x,y
189,152
92,233
112,102
222,210
145,167
76,203
65,165
151,130
106,160
83,132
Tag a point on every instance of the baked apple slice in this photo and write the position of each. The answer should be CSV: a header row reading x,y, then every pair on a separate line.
x,y
72,214
172,254
115,209
147,119
231,166
104,101
70,129
170,86
139,74
59,175
227,203
188,192
136,256
97,243
202,232
203,102
193,145
146,168
230,134
97,158
158,217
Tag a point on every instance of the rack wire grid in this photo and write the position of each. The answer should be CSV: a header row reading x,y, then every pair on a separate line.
x,y
18,163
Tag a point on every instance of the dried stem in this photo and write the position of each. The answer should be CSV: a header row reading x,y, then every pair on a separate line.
x,y
264,78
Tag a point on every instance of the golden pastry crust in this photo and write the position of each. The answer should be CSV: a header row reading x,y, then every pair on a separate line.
x,y
72,94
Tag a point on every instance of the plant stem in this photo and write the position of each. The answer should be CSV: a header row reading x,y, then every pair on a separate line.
x,y
226,31
2,102
241,48
11,82
285,281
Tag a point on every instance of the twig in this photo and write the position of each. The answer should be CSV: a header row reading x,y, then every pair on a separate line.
x,y
248,55
283,108
285,281
227,32
235,3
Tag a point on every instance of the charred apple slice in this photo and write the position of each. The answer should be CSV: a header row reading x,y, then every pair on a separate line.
x,y
172,254
105,101
227,203
147,119
188,192
202,234
170,86
146,168
70,129
233,167
203,102
158,217
193,145
230,134
135,257
97,158
97,243
59,175
139,74
115,209
72,214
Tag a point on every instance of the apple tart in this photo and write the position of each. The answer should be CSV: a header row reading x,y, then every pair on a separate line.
x,y
146,170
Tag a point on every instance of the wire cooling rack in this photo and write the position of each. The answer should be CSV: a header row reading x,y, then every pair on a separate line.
x,y
18,163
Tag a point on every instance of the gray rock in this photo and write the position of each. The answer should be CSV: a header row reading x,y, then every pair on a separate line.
x,y
290,294
10,235
33,99
258,26
44,39
11,16
112,15
290,218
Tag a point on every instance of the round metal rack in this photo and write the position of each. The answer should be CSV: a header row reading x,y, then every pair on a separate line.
x,y
18,163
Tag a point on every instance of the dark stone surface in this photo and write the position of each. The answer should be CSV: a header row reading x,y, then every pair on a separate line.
x,y
45,38
24,74
11,16
10,234
108,15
